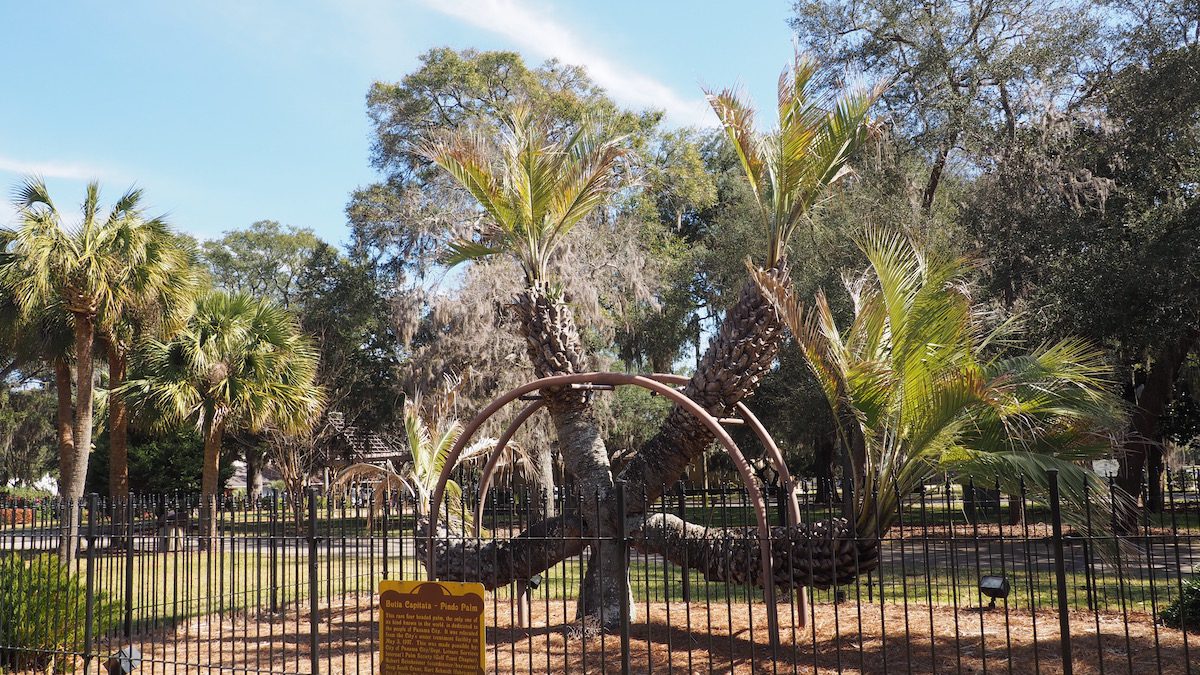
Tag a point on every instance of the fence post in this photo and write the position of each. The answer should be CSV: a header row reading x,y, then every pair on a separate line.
x,y
129,568
623,548
682,508
1060,572
89,626
313,617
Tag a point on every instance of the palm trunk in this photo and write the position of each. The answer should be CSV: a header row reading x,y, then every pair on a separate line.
x,y
65,421
213,429
823,554
118,428
552,341
85,331
254,464
740,355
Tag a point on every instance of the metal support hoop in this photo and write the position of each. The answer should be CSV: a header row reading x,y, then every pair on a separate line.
x,y
714,427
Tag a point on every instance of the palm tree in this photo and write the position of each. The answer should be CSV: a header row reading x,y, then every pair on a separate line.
x,y
788,171
240,363
429,437
82,270
533,187
158,303
922,388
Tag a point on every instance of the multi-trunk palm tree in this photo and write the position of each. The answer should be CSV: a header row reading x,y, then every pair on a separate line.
x,y
788,171
921,388
89,272
239,363
533,187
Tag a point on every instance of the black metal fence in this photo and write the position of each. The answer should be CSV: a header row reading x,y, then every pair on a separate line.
x,y
289,585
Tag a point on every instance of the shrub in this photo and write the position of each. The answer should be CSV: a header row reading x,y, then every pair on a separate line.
x,y
42,612
1184,613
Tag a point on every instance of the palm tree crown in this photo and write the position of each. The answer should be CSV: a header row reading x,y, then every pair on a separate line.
x,y
532,187
788,169
239,361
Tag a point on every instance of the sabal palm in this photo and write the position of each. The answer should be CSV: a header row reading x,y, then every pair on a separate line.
x,y
238,363
82,269
158,303
921,387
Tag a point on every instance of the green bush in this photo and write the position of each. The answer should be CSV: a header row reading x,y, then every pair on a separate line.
x,y
1184,613
43,612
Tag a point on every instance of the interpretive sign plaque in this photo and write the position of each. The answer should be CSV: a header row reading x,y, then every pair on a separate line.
x,y
431,628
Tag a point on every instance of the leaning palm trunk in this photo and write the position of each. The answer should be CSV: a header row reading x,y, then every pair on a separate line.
x,y
73,482
737,359
823,554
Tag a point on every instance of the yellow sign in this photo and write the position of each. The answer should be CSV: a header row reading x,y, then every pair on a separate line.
x,y
431,628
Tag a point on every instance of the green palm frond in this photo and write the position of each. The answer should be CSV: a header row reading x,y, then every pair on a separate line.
x,y
912,381
531,188
790,168
243,358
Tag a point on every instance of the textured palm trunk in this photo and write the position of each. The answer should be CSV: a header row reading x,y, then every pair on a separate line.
x,y
554,348
823,554
118,428
739,356
73,481
65,420
213,429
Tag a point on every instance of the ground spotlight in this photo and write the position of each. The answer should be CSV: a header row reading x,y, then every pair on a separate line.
x,y
995,587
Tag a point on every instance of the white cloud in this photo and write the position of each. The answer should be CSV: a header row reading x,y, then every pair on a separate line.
x,y
66,170
547,38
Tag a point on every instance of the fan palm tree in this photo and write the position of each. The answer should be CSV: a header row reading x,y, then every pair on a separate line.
x,y
238,363
82,270
533,187
157,304
920,389
788,171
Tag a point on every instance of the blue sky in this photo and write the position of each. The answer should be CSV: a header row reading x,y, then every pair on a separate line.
x,y
228,112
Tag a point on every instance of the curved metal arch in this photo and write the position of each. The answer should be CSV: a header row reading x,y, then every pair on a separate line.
x,y
760,431
714,427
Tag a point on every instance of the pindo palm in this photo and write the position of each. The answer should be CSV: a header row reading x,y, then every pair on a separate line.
x,y
920,387
531,187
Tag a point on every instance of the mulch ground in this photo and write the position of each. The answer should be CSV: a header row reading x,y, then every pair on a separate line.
x,y
730,640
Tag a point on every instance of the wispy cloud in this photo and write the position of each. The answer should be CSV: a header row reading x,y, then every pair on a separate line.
x,y
52,169
538,34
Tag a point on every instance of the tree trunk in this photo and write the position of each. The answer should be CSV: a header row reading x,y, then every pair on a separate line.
x,y
554,348
541,475
254,465
739,356
213,429
118,428
935,178
1144,445
85,331
823,554
65,422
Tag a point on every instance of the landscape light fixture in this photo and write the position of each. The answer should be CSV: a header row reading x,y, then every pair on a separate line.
x,y
124,661
994,587
535,581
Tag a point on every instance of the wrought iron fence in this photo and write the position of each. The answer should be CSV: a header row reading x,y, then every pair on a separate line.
x,y
288,585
